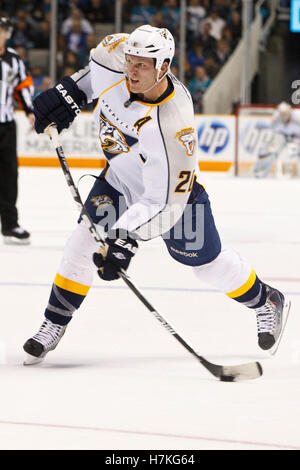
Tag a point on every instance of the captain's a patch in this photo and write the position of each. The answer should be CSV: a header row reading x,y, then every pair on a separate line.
x,y
187,138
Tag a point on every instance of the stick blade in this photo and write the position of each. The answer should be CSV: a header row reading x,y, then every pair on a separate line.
x,y
249,371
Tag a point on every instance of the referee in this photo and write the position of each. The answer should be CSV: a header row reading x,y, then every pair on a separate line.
x,y
15,85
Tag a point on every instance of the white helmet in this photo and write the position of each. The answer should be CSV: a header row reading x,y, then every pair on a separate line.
x,y
148,41
284,110
284,107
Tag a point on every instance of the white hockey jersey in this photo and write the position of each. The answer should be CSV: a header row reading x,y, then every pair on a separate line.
x,y
151,148
290,128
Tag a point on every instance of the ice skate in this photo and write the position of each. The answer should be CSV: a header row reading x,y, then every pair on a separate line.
x,y
271,320
16,236
47,338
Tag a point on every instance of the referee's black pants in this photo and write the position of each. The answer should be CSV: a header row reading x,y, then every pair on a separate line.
x,y
8,176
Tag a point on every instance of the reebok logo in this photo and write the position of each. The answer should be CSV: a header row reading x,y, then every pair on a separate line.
x,y
68,98
192,254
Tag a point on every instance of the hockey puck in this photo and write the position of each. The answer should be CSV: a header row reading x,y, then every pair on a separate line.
x,y
227,378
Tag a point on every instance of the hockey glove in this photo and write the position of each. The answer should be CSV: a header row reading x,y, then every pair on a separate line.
x,y
114,255
59,104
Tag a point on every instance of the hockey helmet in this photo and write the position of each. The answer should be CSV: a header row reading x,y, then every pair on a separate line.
x,y
148,41
284,110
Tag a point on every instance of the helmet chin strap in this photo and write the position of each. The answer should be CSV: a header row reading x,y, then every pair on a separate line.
x,y
157,81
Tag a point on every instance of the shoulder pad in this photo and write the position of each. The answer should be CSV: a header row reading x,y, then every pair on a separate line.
x,y
110,52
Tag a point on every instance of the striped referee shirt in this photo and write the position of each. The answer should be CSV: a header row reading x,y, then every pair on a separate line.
x,y
16,85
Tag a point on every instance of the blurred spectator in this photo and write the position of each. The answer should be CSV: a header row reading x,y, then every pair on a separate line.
x,y
37,76
84,55
46,5
22,52
223,7
38,14
211,67
227,34
76,38
143,13
42,38
94,11
32,25
171,14
21,36
91,42
158,20
188,72
71,59
45,85
217,24
68,70
197,87
76,16
195,14
222,52
175,70
264,11
195,56
208,41
207,4
235,26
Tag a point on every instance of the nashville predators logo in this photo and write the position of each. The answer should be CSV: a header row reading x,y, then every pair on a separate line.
x,y
113,41
112,140
187,138
102,201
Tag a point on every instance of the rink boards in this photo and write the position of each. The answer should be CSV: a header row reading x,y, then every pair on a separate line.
x,y
220,142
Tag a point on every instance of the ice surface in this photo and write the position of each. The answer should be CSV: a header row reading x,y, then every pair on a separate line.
x,y
118,380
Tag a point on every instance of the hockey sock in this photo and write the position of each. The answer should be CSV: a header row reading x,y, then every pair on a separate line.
x,y
66,297
231,274
252,293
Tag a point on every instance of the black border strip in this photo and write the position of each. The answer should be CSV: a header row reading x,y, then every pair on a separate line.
x,y
107,68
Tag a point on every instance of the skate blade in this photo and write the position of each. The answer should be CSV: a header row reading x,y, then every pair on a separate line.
x,y
285,314
16,241
32,360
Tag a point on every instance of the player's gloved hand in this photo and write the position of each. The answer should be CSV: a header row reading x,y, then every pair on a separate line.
x,y
115,254
59,104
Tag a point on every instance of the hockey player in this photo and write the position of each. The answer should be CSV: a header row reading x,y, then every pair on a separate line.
x,y
285,143
149,188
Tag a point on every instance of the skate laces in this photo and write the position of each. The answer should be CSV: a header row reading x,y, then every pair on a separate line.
x,y
265,317
48,334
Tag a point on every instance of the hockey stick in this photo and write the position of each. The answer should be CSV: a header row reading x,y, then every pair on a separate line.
x,y
250,370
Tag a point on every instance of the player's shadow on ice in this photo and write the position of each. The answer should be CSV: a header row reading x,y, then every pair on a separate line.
x,y
142,363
